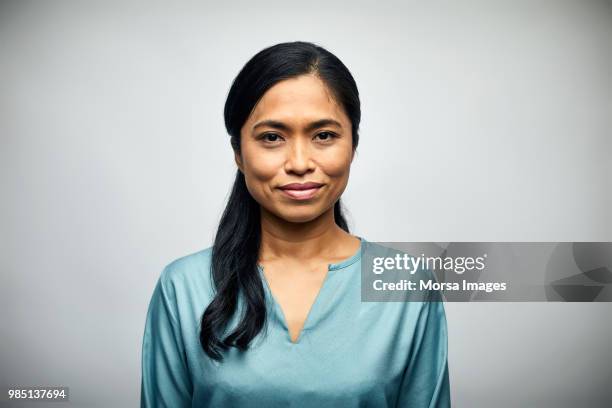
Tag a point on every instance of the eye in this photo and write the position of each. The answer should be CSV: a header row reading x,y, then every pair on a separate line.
x,y
327,136
270,137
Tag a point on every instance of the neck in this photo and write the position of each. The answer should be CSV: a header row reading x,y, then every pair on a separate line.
x,y
306,240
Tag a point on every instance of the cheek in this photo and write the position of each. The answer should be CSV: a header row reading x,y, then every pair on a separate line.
x,y
336,164
259,170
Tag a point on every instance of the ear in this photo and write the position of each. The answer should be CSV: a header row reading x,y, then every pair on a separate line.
x,y
238,161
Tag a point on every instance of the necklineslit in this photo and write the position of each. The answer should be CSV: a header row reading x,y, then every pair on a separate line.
x,y
331,268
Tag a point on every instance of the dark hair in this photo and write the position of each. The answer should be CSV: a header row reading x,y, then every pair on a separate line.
x,y
235,251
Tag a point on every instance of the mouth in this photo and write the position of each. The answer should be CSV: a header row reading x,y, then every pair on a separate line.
x,y
298,191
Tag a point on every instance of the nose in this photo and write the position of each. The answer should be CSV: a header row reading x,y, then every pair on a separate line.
x,y
299,158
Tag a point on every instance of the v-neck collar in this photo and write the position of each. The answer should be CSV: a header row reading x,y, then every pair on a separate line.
x,y
331,269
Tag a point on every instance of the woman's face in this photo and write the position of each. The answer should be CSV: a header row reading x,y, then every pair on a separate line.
x,y
296,133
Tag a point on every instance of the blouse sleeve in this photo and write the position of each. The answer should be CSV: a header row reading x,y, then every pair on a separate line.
x,y
426,380
165,376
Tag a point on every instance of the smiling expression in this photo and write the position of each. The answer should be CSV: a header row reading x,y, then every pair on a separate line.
x,y
296,149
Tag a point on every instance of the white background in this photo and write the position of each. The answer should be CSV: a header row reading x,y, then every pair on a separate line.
x,y
481,121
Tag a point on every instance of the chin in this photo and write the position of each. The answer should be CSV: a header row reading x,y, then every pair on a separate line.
x,y
299,216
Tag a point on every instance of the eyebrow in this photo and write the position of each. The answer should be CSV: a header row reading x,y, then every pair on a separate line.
x,y
311,126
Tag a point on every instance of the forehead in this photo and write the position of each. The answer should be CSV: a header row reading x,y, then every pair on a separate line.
x,y
296,98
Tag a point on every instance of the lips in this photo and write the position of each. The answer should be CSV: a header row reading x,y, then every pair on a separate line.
x,y
302,191
304,186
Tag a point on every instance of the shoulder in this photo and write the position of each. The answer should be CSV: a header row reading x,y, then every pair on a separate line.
x,y
394,271
189,263
188,272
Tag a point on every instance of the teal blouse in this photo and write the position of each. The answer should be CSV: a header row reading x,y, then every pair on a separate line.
x,y
349,353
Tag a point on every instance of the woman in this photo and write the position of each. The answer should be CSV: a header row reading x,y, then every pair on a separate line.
x,y
270,315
